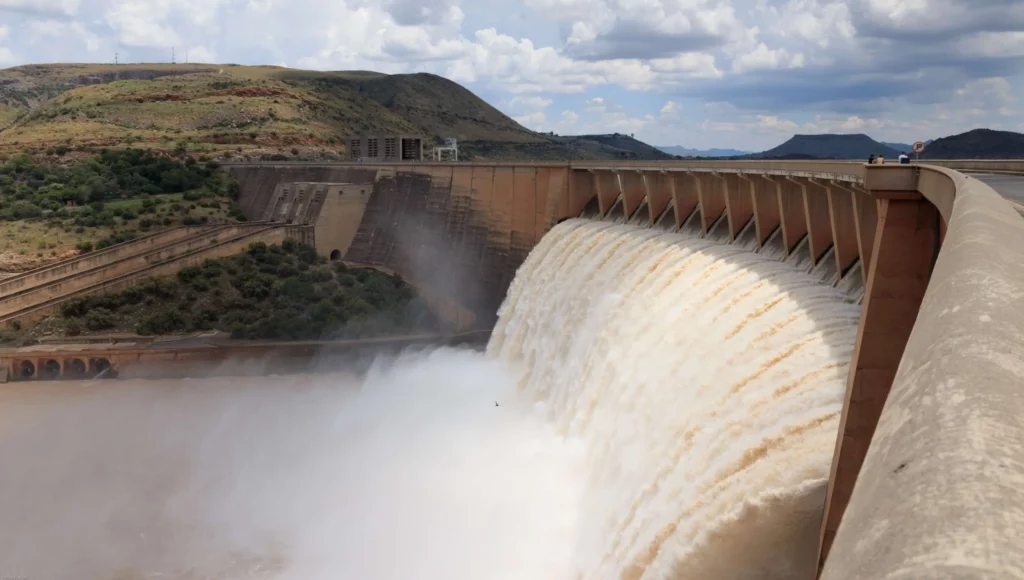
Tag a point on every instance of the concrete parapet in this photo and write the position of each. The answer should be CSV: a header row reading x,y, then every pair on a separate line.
x,y
941,488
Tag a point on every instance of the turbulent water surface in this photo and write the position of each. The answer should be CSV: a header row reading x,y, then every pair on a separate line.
x,y
650,406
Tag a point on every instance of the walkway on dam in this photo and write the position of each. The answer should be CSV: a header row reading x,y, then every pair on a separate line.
x,y
1009,186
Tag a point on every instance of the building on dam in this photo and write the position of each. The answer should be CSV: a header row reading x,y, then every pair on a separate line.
x,y
375,148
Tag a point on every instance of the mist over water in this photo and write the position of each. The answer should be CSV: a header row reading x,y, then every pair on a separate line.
x,y
650,406
411,472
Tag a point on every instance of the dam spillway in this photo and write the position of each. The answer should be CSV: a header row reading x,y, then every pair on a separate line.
x,y
706,383
651,405
929,432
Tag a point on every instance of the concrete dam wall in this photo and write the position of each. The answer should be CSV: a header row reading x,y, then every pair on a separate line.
x,y
929,438
459,231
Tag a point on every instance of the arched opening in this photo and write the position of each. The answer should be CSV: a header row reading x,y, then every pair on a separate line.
x,y
75,368
26,369
50,370
100,368
336,255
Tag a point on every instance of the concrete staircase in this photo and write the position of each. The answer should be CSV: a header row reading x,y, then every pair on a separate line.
x,y
296,203
37,294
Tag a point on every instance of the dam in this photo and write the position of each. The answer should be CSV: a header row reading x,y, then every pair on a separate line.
x,y
749,370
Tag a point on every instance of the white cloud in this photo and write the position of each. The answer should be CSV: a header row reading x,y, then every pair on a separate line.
x,y
44,7
530,102
48,30
895,68
764,58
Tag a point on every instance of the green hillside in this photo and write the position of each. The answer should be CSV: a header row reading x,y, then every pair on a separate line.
x,y
257,112
977,144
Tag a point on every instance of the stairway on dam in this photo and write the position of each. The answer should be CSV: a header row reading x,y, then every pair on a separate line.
x,y
34,295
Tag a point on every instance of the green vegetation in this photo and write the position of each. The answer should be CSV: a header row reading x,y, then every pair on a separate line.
x,y
284,292
263,112
27,189
91,203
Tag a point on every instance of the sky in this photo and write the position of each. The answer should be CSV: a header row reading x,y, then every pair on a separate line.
x,y
743,74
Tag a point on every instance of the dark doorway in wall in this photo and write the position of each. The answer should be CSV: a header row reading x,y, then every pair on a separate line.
x,y
335,255
50,370
75,368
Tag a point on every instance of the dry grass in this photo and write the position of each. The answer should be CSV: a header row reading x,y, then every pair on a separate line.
x,y
241,106
29,244
254,110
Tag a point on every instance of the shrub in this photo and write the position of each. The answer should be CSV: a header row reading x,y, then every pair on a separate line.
x,y
74,308
84,247
162,323
188,274
73,327
99,319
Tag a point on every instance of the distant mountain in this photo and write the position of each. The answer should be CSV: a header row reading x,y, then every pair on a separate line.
x,y
898,146
686,152
828,146
626,145
977,144
611,147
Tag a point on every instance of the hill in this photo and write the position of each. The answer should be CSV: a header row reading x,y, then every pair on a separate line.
x,y
686,152
977,144
828,146
256,112
907,147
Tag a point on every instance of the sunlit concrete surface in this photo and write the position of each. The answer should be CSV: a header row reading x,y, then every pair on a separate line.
x,y
1009,186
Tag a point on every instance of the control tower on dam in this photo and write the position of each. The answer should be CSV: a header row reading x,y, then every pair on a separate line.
x,y
930,424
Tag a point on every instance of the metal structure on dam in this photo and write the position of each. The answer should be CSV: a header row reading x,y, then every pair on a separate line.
x,y
930,431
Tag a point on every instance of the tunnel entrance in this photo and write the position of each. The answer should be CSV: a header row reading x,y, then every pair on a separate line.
x,y
336,255
100,368
26,369
75,369
50,370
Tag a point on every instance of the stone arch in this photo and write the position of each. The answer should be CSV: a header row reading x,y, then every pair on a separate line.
x,y
26,369
50,370
75,368
336,255
99,366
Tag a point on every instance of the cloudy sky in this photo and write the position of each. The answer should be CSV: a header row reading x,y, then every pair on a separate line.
x,y
743,74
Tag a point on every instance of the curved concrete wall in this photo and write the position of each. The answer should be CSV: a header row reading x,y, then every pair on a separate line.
x,y
941,490
936,491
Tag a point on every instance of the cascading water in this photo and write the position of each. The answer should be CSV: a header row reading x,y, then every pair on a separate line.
x,y
653,406
706,384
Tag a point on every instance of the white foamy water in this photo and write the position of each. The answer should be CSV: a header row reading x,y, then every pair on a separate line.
x,y
410,473
705,383
666,408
